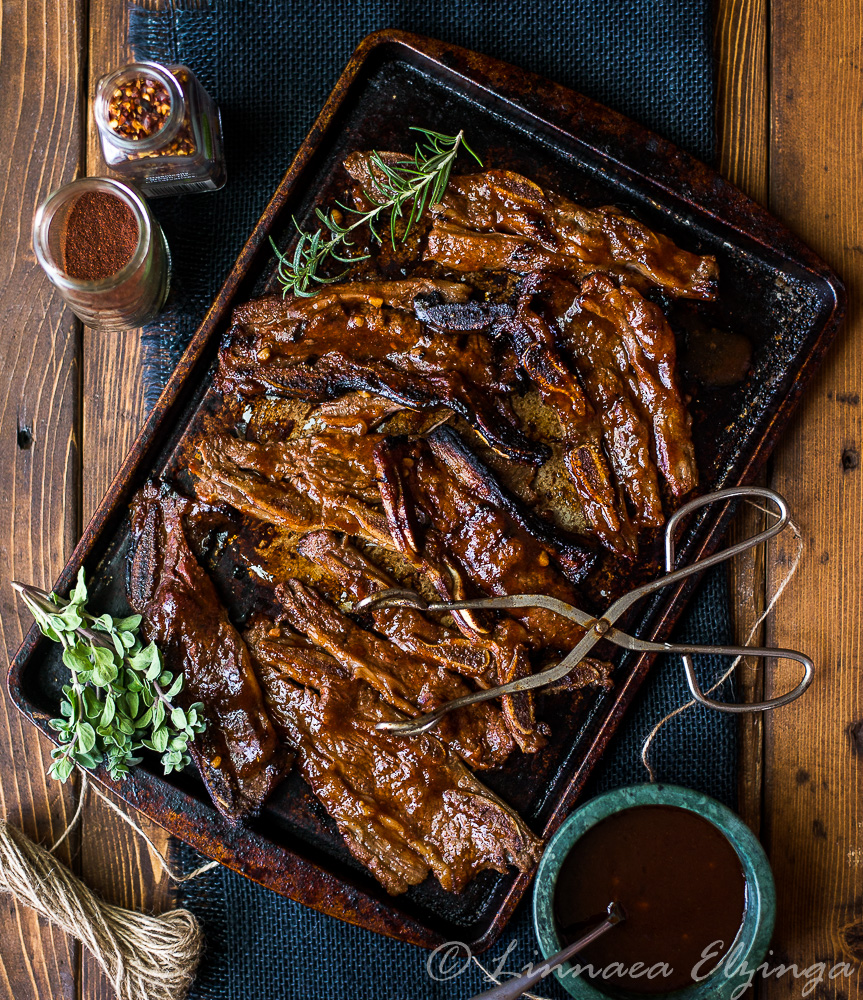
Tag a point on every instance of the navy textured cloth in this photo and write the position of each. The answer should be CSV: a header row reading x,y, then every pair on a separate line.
x,y
270,64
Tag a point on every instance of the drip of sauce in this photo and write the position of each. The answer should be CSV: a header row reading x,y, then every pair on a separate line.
x,y
680,884
717,357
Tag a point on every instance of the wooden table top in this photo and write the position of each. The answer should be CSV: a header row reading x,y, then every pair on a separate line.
x,y
790,115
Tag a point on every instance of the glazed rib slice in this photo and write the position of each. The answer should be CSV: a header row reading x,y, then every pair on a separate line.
x,y
275,646
405,807
239,754
452,522
408,682
491,656
582,430
603,358
443,507
408,628
595,349
650,370
542,230
320,481
354,413
625,354
366,336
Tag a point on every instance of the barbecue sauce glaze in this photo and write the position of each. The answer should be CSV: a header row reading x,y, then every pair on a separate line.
x,y
679,882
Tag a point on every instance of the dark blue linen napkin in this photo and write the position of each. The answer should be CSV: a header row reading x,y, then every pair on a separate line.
x,y
270,65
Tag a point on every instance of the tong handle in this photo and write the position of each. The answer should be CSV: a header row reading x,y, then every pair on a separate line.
x,y
673,575
730,493
394,597
782,517
763,654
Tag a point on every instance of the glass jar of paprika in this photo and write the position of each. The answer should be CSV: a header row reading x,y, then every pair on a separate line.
x,y
159,127
102,249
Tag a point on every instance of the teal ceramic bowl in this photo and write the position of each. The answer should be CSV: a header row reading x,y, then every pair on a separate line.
x,y
750,945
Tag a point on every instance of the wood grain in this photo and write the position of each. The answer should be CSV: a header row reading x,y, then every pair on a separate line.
x,y
742,126
813,786
115,861
40,66
789,120
742,94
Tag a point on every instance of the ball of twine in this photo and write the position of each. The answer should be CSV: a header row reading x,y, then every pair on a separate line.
x,y
145,957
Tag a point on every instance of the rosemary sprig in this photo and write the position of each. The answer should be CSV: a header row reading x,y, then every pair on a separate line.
x,y
405,186
119,698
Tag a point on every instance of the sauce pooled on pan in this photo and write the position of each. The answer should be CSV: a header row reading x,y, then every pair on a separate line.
x,y
680,884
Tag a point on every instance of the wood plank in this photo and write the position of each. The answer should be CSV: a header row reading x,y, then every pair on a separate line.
x,y
814,826
740,43
115,861
740,46
40,46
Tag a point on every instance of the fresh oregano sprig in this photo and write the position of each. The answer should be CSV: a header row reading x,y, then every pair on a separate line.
x,y
119,698
403,187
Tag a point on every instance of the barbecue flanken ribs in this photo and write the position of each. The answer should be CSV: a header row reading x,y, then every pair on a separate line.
x,y
411,630
238,755
367,336
502,221
404,807
346,458
327,481
455,525
411,683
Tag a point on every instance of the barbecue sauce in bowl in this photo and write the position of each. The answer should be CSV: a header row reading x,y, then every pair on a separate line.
x,y
681,886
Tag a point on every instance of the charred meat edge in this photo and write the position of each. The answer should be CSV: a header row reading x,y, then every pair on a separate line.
x,y
265,347
239,754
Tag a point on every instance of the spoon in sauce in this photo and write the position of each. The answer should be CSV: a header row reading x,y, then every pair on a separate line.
x,y
512,989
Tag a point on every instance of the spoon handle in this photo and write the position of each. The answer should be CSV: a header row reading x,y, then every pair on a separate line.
x,y
512,989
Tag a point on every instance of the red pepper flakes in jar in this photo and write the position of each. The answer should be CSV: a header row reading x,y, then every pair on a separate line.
x,y
160,128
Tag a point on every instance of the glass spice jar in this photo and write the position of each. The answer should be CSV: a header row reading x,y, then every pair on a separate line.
x,y
100,246
159,127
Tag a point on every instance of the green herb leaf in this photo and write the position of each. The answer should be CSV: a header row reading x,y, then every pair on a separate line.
x,y
79,593
133,703
116,700
155,668
129,624
75,658
104,666
61,769
86,736
71,618
57,623
176,687
159,740
108,711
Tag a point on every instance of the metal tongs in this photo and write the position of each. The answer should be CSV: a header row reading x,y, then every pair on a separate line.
x,y
600,628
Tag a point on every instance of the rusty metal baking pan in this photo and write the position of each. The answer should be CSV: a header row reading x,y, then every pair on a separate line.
x,y
773,290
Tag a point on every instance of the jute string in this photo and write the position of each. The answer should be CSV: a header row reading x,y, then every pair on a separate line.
x,y
771,604
145,957
126,818
492,978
